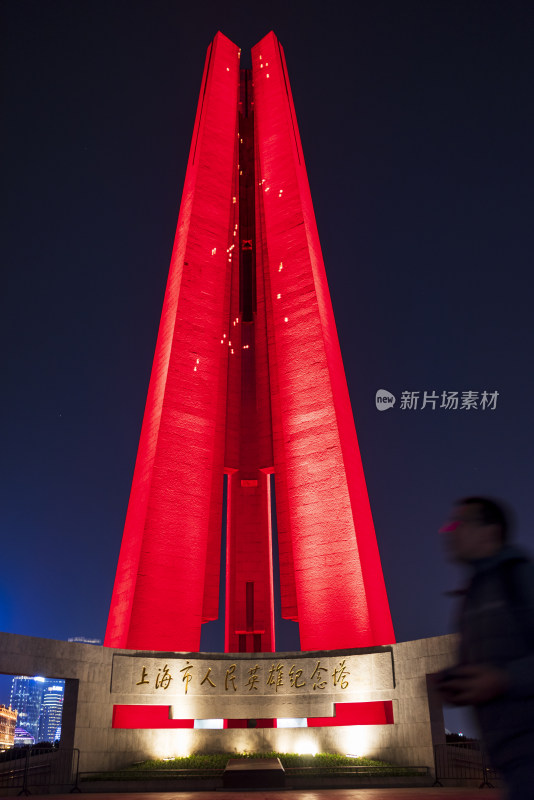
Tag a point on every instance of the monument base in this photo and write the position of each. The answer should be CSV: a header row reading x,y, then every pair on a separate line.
x,y
123,706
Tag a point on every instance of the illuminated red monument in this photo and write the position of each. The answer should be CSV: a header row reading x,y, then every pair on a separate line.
x,y
247,381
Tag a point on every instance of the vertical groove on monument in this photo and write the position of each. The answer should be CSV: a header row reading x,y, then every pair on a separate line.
x,y
248,380
249,622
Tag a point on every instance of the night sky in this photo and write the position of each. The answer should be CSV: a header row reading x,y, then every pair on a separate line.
x,y
417,125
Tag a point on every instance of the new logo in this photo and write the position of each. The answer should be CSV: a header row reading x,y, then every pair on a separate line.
x,y
384,400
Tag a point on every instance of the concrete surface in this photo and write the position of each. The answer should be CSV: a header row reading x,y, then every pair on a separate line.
x,y
308,794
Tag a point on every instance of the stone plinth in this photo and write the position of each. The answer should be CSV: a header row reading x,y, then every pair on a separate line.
x,y
99,681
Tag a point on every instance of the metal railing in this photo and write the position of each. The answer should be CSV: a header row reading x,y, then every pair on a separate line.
x,y
37,769
463,761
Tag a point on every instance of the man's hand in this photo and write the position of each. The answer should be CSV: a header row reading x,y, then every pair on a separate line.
x,y
472,684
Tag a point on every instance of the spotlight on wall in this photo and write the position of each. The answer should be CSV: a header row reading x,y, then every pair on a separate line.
x,y
306,747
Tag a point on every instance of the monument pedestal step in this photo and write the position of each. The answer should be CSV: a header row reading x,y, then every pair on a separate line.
x,y
254,773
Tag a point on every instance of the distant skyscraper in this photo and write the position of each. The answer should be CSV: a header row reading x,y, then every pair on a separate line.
x,y
84,640
51,711
39,702
26,697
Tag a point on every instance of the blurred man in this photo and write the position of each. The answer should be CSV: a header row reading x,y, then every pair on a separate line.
x,y
495,673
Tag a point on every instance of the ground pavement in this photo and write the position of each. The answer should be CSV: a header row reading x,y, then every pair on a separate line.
x,y
447,793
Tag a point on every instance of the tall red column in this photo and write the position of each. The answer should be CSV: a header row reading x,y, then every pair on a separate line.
x,y
167,577
248,380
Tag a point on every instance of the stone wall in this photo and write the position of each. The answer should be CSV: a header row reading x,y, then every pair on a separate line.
x,y
98,678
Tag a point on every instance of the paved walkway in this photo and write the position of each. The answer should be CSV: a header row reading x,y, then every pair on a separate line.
x,y
447,793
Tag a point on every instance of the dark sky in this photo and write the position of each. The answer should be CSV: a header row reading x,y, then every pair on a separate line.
x,y
417,126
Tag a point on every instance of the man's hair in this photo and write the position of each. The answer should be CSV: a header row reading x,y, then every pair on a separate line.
x,y
492,513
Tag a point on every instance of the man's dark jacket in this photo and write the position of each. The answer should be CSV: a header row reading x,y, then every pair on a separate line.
x,y
497,628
